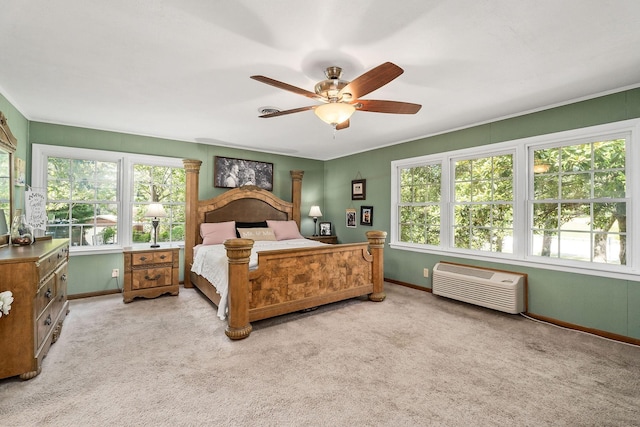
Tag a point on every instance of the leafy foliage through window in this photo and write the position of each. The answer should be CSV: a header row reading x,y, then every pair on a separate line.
x,y
562,199
158,184
419,207
97,199
579,205
82,201
483,204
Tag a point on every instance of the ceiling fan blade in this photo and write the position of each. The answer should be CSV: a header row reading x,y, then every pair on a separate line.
x,y
286,86
285,112
343,125
393,107
372,80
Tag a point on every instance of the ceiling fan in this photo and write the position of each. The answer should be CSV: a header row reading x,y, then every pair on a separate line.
x,y
341,98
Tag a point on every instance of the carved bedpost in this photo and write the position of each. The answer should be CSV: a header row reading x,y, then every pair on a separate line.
x,y
192,168
296,194
238,253
376,246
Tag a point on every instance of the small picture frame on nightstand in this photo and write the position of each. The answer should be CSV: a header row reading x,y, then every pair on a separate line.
x,y
325,229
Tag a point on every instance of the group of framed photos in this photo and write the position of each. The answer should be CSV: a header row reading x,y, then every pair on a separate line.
x,y
366,216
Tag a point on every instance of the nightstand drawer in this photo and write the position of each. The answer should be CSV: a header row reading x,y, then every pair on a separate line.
x,y
151,278
149,258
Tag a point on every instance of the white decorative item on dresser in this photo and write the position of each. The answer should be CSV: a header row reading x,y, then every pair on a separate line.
x,y
36,275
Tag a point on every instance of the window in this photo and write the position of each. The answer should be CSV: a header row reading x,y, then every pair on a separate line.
x,y
158,184
483,203
562,201
82,201
97,199
579,204
419,206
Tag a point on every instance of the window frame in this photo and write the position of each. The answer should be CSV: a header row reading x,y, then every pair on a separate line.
x,y
523,213
126,161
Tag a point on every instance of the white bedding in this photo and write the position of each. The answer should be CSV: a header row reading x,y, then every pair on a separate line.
x,y
210,262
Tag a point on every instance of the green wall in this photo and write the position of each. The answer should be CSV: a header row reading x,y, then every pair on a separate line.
x,y
92,273
594,302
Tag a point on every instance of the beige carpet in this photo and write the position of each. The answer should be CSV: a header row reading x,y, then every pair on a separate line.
x,y
415,359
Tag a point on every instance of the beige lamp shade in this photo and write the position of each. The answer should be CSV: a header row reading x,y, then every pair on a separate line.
x,y
315,212
155,210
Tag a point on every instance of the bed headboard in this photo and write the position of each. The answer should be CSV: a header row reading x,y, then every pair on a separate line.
x,y
245,204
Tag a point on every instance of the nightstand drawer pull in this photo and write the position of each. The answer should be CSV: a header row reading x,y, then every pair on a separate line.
x,y
143,258
48,293
156,277
163,256
63,278
47,321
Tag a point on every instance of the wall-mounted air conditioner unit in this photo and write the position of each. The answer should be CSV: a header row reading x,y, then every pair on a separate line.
x,y
498,290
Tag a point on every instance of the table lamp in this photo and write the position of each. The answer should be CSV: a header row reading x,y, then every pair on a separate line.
x,y
315,213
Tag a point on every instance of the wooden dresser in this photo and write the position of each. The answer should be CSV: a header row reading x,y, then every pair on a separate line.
x,y
37,277
150,273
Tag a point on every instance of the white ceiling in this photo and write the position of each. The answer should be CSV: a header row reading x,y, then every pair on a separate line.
x,y
180,69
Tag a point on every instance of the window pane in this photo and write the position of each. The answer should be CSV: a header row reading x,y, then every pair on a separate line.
x,y
158,184
480,216
589,231
545,243
546,187
609,184
609,154
545,216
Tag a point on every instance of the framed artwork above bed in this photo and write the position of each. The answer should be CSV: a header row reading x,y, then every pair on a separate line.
x,y
229,172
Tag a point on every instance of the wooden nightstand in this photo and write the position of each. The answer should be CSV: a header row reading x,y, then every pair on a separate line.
x,y
324,239
149,273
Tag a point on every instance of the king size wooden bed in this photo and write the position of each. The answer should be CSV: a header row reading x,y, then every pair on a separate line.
x,y
285,280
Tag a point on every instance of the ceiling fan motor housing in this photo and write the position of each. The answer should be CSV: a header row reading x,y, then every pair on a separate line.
x,y
331,87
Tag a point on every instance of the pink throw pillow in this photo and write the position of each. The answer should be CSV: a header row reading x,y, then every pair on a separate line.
x,y
215,233
285,230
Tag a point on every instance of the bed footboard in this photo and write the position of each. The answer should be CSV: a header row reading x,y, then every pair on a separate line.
x,y
295,279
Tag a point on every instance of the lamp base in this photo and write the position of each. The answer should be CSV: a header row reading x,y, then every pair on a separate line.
x,y
155,223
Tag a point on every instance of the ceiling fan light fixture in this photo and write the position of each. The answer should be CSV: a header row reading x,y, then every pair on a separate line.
x,y
334,113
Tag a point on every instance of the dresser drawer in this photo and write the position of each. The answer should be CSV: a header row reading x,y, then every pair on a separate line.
x,y
148,258
151,278
48,264
46,294
44,324
61,276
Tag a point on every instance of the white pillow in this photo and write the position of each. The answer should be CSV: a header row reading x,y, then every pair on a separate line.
x,y
215,233
257,234
285,230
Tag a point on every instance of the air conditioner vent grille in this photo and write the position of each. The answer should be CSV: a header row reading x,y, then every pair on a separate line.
x,y
497,290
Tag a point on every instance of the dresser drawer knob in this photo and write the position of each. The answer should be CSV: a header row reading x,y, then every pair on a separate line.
x,y
163,256
156,277
48,293
143,258
63,278
47,321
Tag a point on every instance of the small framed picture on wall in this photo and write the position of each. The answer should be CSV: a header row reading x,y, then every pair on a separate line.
x,y
366,215
359,189
351,218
